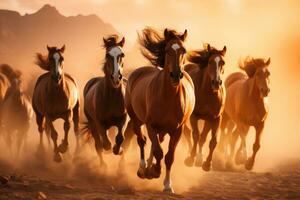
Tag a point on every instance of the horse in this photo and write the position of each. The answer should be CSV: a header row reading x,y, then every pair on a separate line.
x,y
104,104
55,96
5,71
246,105
16,112
206,70
162,99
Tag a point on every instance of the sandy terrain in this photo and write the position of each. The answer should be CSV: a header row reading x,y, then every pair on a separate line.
x,y
48,182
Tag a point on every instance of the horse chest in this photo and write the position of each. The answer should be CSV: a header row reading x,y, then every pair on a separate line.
x,y
208,107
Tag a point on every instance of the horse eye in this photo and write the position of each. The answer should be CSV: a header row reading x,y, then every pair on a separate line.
x,y
222,62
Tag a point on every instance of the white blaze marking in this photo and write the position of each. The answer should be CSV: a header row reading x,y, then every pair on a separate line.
x,y
217,60
115,52
175,46
56,58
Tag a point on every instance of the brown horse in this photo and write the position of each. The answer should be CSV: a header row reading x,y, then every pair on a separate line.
x,y
55,96
206,69
5,71
162,99
104,104
16,113
246,105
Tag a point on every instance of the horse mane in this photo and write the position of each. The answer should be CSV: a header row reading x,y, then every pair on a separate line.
x,y
110,41
10,73
250,64
42,61
201,56
154,44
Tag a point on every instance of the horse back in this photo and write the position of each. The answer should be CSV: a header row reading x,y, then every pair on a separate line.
x,y
232,78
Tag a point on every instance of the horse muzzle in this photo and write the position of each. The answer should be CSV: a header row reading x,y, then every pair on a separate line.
x,y
116,80
56,77
264,92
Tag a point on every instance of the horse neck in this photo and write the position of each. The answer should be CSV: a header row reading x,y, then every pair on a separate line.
x,y
60,85
205,81
254,94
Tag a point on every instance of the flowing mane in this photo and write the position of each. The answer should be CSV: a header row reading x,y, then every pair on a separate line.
x,y
10,73
201,57
42,61
154,45
249,65
110,41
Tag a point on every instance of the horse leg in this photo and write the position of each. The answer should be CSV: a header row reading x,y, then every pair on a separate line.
x,y
169,159
201,141
98,147
212,144
157,152
117,149
40,120
256,146
189,161
103,134
141,140
128,135
187,132
54,136
63,147
76,124
241,154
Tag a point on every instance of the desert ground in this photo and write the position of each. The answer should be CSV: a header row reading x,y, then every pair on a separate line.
x,y
36,176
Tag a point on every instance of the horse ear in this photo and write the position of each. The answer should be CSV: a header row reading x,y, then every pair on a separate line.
x,y
183,36
122,42
208,47
223,52
62,49
105,42
268,62
166,33
48,48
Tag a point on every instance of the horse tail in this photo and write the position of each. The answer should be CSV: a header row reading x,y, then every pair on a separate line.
x,y
86,130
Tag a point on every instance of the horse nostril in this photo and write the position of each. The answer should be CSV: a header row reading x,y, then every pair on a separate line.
x,y
269,90
120,76
220,82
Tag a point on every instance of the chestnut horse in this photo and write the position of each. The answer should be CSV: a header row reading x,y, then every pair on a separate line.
x,y
104,104
55,96
16,113
162,99
206,69
246,105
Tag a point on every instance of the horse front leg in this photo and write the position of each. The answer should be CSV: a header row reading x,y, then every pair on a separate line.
x,y
212,144
241,154
117,149
203,136
189,161
98,146
169,159
63,147
54,136
157,151
256,146
141,140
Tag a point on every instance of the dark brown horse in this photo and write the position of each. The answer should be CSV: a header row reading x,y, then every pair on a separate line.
x,y
55,96
104,100
16,113
162,99
205,69
246,105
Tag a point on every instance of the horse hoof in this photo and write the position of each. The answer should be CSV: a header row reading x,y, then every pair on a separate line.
x,y
148,173
63,147
57,158
155,171
141,173
206,166
189,161
168,190
117,150
240,158
249,164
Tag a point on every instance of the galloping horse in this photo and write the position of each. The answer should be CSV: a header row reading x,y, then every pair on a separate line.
x,y
162,99
246,105
104,104
16,112
206,68
55,96
4,85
